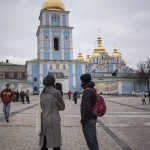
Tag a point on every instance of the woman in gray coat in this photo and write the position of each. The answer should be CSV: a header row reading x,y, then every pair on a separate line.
x,y
51,103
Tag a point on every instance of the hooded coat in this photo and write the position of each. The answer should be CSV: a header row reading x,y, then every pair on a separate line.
x,y
88,101
51,103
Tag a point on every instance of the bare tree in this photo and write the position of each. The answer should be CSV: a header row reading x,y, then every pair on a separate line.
x,y
143,72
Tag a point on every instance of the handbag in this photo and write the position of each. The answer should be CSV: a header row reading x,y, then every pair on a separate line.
x,y
38,121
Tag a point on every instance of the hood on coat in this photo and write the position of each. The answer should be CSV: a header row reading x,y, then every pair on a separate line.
x,y
91,84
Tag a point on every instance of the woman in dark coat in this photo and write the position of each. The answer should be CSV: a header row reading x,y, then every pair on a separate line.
x,y
51,103
75,97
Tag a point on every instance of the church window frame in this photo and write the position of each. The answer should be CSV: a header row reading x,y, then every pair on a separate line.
x,y
35,88
66,37
57,66
56,44
51,67
46,36
64,66
35,79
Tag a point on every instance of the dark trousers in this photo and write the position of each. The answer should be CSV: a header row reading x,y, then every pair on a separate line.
x,y
27,99
89,131
22,99
75,101
69,97
44,146
143,101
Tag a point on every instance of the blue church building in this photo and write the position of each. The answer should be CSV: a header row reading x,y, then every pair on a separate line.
x,y
55,50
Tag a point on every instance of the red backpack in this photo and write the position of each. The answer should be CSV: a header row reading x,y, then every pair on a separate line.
x,y
100,107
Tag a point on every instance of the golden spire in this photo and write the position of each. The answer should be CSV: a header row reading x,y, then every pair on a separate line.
x,y
80,57
53,5
95,53
100,48
116,53
121,58
88,59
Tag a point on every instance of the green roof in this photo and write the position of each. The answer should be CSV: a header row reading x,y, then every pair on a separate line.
x,y
9,64
15,81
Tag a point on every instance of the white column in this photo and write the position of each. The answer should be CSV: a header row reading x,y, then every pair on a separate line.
x,y
83,69
41,75
62,44
114,67
71,45
120,87
50,20
29,72
67,20
51,44
61,20
74,76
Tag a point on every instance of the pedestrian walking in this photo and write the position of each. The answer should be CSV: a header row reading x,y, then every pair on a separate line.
x,y
75,97
27,96
7,96
17,96
88,119
69,94
51,102
143,96
149,96
22,95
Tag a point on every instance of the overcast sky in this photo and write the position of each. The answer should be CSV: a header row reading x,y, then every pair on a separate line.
x,y
125,22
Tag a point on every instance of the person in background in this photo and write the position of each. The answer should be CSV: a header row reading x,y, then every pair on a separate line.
x,y
143,96
78,95
69,94
51,102
22,94
17,96
28,96
149,96
75,97
88,119
7,96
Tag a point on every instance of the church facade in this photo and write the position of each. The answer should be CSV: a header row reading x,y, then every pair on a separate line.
x,y
102,62
55,50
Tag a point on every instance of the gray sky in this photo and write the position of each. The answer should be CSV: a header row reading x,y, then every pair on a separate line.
x,y
125,22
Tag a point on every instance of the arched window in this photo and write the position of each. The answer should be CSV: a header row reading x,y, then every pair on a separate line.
x,y
56,44
66,37
46,36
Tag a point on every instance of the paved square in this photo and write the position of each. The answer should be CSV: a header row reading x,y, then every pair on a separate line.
x,y
126,126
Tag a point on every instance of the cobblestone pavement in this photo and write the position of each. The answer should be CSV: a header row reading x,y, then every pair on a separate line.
x,y
126,126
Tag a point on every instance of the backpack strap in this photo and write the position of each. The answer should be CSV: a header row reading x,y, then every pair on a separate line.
x,y
92,90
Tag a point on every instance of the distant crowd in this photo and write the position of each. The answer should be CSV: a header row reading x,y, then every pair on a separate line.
x,y
22,96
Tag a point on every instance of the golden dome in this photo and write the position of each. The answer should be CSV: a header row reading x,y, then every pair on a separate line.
x,y
88,59
53,5
80,58
95,53
116,53
100,48
122,59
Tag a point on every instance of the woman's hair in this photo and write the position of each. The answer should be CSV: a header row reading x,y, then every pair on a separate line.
x,y
49,80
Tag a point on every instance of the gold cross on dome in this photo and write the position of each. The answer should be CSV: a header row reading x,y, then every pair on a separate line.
x,y
99,31
115,45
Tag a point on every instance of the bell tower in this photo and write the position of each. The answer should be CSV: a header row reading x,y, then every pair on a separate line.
x,y
54,35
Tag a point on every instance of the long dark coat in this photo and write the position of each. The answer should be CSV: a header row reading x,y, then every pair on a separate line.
x,y
51,103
